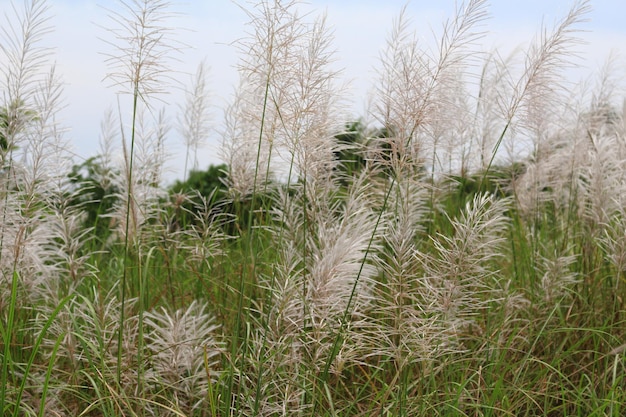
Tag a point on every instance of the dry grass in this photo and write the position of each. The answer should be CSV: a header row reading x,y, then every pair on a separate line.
x,y
423,280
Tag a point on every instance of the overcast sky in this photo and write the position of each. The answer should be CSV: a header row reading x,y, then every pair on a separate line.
x,y
360,29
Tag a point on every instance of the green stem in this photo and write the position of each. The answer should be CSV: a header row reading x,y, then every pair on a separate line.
x,y
129,195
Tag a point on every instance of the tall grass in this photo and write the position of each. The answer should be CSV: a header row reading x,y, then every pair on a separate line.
x,y
468,258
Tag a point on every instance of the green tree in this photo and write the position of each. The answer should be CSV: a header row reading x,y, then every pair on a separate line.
x,y
351,142
210,185
94,196
207,184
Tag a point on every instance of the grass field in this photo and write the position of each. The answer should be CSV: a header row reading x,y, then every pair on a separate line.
x,y
459,251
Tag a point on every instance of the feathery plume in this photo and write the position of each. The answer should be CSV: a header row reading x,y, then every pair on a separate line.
x,y
541,82
558,280
288,101
184,353
195,120
137,200
138,62
461,272
411,78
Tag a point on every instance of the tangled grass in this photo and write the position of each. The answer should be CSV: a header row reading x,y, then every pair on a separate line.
x,y
426,279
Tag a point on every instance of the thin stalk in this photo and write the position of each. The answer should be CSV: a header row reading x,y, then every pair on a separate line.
x,y
335,349
249,254
8,330
35,350
267,301
493,154
143,291
210,393
120,335
46,383
7,335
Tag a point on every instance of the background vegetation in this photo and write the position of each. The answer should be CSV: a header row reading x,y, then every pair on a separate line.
x,y
458,251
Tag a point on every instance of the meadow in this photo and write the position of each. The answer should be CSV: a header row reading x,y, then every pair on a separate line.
x,y
458,251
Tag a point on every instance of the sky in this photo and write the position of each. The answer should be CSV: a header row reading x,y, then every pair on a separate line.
x,y
360,28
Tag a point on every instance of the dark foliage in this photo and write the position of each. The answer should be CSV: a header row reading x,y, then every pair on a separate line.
x,y
94,196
